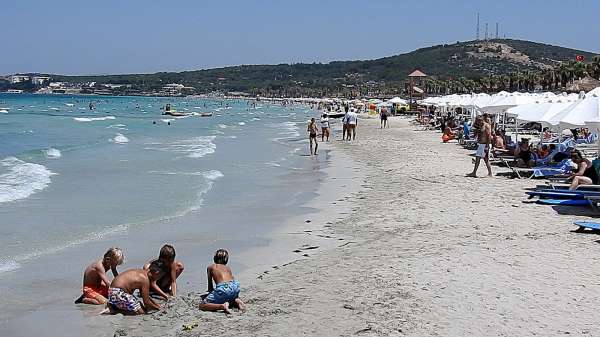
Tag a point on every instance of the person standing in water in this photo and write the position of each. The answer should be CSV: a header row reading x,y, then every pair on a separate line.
x,y
325,127
312,136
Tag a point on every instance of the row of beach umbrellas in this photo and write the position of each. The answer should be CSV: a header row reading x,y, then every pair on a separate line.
x,y
573,110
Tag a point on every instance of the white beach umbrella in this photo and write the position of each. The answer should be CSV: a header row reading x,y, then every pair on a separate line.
x,y
585,111
567,117
502,103
538,112
397,100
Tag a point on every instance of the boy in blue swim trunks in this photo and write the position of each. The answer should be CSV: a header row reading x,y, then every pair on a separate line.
x,y
226,289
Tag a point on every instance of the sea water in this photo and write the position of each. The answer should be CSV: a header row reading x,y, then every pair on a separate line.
x,y
75,181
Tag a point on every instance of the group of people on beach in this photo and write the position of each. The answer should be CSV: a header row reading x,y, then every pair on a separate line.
x,y
349,125
157,279
550,153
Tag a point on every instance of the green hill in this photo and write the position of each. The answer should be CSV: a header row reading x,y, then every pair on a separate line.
x,y
472,59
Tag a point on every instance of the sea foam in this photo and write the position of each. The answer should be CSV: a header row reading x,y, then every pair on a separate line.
x,y
52,153
210,176
20,179
196,147
120,139
91,119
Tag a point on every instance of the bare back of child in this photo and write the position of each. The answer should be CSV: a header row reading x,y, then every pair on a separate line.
x,y
120,294
225,290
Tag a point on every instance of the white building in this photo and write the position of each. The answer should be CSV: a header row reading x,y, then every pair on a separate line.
x,y
39,80
18,78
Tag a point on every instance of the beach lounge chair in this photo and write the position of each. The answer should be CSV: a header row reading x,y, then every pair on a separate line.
x,y
563,194
583,225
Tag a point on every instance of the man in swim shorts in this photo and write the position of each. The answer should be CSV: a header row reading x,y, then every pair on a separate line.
x,y
352,124
312,136
484,139
95,280
120,294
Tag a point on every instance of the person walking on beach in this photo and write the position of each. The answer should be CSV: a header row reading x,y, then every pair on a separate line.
x,y
345,123
383,116
325,127
352,124
484,138
312,136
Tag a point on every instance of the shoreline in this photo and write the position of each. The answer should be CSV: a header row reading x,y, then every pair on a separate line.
x,y
278,248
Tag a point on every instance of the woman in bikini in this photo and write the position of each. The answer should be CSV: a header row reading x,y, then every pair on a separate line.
x,y
312,136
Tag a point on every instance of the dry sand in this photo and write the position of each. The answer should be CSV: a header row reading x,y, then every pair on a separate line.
x,y
426,252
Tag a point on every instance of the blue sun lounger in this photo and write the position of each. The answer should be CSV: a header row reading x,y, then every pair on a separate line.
x,y
556,195
564,202
587,224
562,194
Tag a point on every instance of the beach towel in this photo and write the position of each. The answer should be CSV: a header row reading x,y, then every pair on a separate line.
x,y
564,167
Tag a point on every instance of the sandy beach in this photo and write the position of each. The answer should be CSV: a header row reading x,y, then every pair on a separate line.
x,y
425,251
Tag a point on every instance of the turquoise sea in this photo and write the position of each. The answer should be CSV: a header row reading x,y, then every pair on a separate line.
x,y
75,181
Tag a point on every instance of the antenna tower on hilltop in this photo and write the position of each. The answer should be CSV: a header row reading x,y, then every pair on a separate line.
x,y
486,31
496,30
477,36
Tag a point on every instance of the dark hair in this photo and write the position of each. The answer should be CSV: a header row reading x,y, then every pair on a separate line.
x,y
577,153
221,256
156,266
167,252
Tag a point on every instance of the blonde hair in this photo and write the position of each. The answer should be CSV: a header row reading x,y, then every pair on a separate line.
x,y
115,254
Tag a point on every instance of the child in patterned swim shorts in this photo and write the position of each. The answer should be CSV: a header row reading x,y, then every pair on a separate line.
x,y
225,290
120,294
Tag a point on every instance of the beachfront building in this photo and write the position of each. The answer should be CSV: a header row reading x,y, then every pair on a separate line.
x,y
39,80
175,89
13,79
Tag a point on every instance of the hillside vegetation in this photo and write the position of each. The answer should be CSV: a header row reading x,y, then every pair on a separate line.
x,y
476,61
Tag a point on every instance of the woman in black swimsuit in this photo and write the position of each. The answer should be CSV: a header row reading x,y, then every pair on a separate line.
x,y
586,173
523,154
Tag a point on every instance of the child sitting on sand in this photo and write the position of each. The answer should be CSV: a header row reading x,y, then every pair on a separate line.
x,y
95,281
120,294
166,284
226,289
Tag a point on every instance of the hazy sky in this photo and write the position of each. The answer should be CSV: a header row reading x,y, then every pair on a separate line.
x,y
130,36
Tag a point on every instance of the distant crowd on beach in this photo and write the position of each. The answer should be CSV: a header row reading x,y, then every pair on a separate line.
x,y
561,155
154,281
349,122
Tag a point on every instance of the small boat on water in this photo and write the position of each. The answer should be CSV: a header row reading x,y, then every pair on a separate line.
x,y
336,115
174,113
206,114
